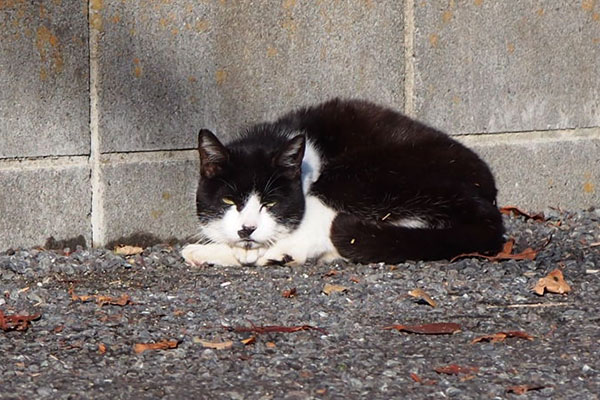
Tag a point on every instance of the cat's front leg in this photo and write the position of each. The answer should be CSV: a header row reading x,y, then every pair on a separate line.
x,y
282,253
212,253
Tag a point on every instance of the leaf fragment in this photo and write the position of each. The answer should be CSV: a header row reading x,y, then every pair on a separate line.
x,y
101,300
422,295
101,348
162,345
519,212
16,322
554,282
250,340
522,389
505,254
455,369
289,293
128,250
329,288
275,329
420,380
501,336
436,328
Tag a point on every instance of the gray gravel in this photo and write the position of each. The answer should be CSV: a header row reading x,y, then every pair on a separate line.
x,y
60,356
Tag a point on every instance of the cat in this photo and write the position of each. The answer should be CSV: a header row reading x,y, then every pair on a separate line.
x,y
345,179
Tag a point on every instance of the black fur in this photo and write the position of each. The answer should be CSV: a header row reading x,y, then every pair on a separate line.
x,y
379,167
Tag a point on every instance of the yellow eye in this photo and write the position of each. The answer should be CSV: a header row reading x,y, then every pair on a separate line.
x,y
269,205
228,201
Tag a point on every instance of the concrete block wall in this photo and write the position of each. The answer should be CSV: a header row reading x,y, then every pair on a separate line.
x,y
101,100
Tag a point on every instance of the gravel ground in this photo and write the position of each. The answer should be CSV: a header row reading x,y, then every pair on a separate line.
x,y
80,349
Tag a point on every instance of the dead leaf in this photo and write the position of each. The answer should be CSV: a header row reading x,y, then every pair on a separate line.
x,y
16,322
455,369
250,340
328,289
270,345
422,295
101,348
162,345
331,272
289,293
101,300
554,282
128,250
420,380
522,389
508,210
354,279
215,345
436,328
505,254
501,336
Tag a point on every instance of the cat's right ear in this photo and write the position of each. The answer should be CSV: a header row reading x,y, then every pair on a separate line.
x,y
213,155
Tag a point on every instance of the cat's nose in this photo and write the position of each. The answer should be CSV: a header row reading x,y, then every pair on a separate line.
x,y
246,231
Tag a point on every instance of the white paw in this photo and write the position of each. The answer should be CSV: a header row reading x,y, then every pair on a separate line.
x,y
199,254
247,256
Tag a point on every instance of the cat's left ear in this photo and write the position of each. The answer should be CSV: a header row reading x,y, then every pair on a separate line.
x,y
290,156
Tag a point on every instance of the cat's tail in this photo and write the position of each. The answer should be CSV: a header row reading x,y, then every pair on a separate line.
x,y
362,241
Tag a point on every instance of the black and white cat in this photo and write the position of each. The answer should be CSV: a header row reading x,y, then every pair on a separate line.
x,y
346,179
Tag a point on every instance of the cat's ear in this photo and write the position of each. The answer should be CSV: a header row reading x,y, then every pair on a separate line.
x,y
213,155
289,158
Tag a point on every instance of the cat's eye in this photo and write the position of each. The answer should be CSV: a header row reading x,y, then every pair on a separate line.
x,y
228,201
269,205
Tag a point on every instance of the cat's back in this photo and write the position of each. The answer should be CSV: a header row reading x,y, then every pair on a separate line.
x,y
340,125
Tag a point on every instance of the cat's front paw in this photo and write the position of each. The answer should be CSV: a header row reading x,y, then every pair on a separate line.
x,y
276,256
247,256
213,253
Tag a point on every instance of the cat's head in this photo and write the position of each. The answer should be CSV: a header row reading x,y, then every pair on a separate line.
x,y
250,192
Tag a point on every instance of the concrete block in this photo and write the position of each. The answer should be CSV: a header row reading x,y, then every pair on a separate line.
x,y
499,66
44,100
167,69
42,200
149,198
544,169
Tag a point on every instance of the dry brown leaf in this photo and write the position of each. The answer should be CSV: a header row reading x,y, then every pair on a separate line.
x,y
328,289
331,272
436,328
122,300
128,250
270,345
16,322
505,254
554,282
420,380
101,348
422,295
216,345
162,345
508,210
501,336
289,293
250,340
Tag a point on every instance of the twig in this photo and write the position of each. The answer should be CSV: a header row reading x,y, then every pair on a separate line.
x,y
530,305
